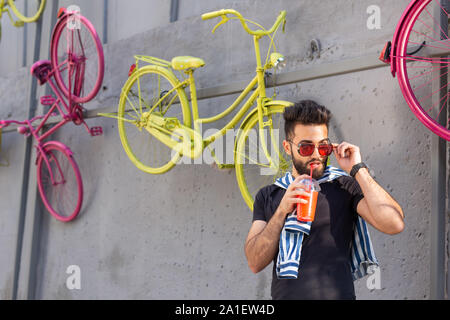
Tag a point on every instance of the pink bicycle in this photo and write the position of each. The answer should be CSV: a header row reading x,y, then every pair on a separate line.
x,y
419,54
77,65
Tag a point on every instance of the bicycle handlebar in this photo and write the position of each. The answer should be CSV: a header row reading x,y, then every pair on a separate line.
x,y
6,123
223,13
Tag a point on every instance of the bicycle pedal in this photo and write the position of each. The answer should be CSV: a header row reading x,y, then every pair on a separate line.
x,y
96,131
48,100
19,24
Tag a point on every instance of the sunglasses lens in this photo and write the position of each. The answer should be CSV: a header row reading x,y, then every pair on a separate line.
x,y
306,149
325,149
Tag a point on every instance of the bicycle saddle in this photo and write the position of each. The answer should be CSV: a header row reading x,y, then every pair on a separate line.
x,y
187,62
40,70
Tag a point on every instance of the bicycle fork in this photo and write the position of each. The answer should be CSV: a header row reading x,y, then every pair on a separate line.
x,y
274,157
45,156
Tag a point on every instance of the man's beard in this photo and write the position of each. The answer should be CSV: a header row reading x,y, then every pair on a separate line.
x,y
304,168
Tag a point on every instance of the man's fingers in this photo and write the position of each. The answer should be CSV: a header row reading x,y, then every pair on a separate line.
x,y
297,200
344,149
296,184
301,192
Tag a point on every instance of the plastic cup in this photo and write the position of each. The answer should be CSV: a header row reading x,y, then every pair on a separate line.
x,y
307,211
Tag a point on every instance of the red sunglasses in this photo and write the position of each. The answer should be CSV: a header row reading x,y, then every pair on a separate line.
x,y
306,149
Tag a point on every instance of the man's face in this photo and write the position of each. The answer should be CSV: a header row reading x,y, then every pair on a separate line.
x,y
315,134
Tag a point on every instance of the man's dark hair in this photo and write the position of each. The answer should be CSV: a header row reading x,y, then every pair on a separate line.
x,y
306,112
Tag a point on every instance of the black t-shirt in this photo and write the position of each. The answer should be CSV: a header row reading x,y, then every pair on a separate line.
x,y
324,271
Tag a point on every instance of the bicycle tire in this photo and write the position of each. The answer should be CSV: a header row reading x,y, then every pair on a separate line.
x,y
64,199
414,69
89,59
29,18
251,177
137,143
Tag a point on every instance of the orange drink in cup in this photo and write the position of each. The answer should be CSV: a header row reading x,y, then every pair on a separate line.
x,y
307,211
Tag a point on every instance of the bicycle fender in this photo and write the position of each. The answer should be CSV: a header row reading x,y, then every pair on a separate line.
x,y
63,16
62,19
61,145
397,35
278,103
266,105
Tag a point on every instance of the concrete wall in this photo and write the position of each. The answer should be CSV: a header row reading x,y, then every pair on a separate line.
x,y
181,235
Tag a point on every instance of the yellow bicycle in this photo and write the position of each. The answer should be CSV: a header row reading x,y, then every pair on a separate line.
x,y
35,9
154,115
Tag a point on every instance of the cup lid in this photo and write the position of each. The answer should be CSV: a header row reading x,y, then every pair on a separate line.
x,y
311,182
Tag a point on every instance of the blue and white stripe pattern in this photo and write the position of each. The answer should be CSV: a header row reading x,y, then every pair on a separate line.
x,y
362,260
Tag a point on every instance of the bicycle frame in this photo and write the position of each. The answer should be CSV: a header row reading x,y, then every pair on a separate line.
x,y
30,130
186,138
68,111
5,8
259,95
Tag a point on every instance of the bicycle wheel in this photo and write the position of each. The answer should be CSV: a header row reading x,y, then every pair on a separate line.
x,y
62,195
419,65
32,13
77,58
252,166
146,87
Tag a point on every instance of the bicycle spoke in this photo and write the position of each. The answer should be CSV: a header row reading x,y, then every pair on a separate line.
x,y
78,49
434,92
429,37
60,194
427,45
114,116
169,105
434,106
429,81
151,91
132,105
424,75
425,59
258,181
251,161
437,23
158,101
442,108
428,66
132,116
141,100
428,72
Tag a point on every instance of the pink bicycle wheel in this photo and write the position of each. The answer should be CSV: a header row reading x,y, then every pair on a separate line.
x,y
59,182
77,58
420,63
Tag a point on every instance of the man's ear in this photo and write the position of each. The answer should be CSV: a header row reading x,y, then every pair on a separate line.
x,y
287,147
